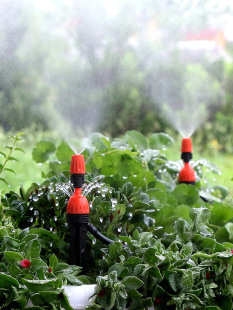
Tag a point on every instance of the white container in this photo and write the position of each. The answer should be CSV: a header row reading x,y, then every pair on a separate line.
x,y
79,296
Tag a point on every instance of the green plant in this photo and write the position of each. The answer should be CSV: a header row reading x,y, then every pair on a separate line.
x,y
6,154
186,269
167,249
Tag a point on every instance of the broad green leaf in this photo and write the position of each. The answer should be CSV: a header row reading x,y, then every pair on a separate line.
x,y
224,302
223,190
32,249
229,228
186,194
41,285
132,283
64,152
136,140
13,257
160,141
36,264
220,213
7,281
42,151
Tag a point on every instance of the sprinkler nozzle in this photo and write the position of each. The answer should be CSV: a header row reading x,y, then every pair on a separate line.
x,y
187,173
78,213
186,146
77,170
77,203
77,165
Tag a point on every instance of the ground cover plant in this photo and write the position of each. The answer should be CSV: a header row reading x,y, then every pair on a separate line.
x,y
171,249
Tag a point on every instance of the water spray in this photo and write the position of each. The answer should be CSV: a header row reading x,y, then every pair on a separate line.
x,y
78,215
187,173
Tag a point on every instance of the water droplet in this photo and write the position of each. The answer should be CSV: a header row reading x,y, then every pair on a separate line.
x,y
94,241
31,219
101,220
50,229
55,218
51,244
119,229
35,198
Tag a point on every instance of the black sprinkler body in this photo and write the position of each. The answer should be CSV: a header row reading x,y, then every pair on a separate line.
x,y
78,216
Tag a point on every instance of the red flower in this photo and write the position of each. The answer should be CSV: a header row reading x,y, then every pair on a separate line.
x,y
101,293
157,301
50,270
25,263
232,251
207,275
111,217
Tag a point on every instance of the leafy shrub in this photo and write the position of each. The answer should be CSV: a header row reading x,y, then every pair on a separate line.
x,y
171,248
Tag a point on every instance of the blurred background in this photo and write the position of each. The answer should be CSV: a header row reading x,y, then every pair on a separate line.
x,y
69,68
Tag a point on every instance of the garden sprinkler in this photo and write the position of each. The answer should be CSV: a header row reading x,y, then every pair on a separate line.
x,y
187,173
78,215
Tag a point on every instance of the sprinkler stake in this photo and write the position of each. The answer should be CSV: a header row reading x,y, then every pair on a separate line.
x,y
78,216
187,173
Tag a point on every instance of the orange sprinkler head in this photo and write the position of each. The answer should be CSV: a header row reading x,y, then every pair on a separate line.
x,y
187,174
186,145
77,165
78,203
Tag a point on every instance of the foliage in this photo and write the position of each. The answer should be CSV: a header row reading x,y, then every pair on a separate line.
x,y
27,279
171,248
186,269
6,154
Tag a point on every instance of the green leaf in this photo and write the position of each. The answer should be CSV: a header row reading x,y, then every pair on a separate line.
x,y
223,190
220,213
12,158
160,141
7,281
136,140
41,285
72,279
186,194
3,154
32,249
4,181
53,261
19,149
199,216
37,264
132,283
64,152
224,302
42,151
229,228
10,170
13,257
